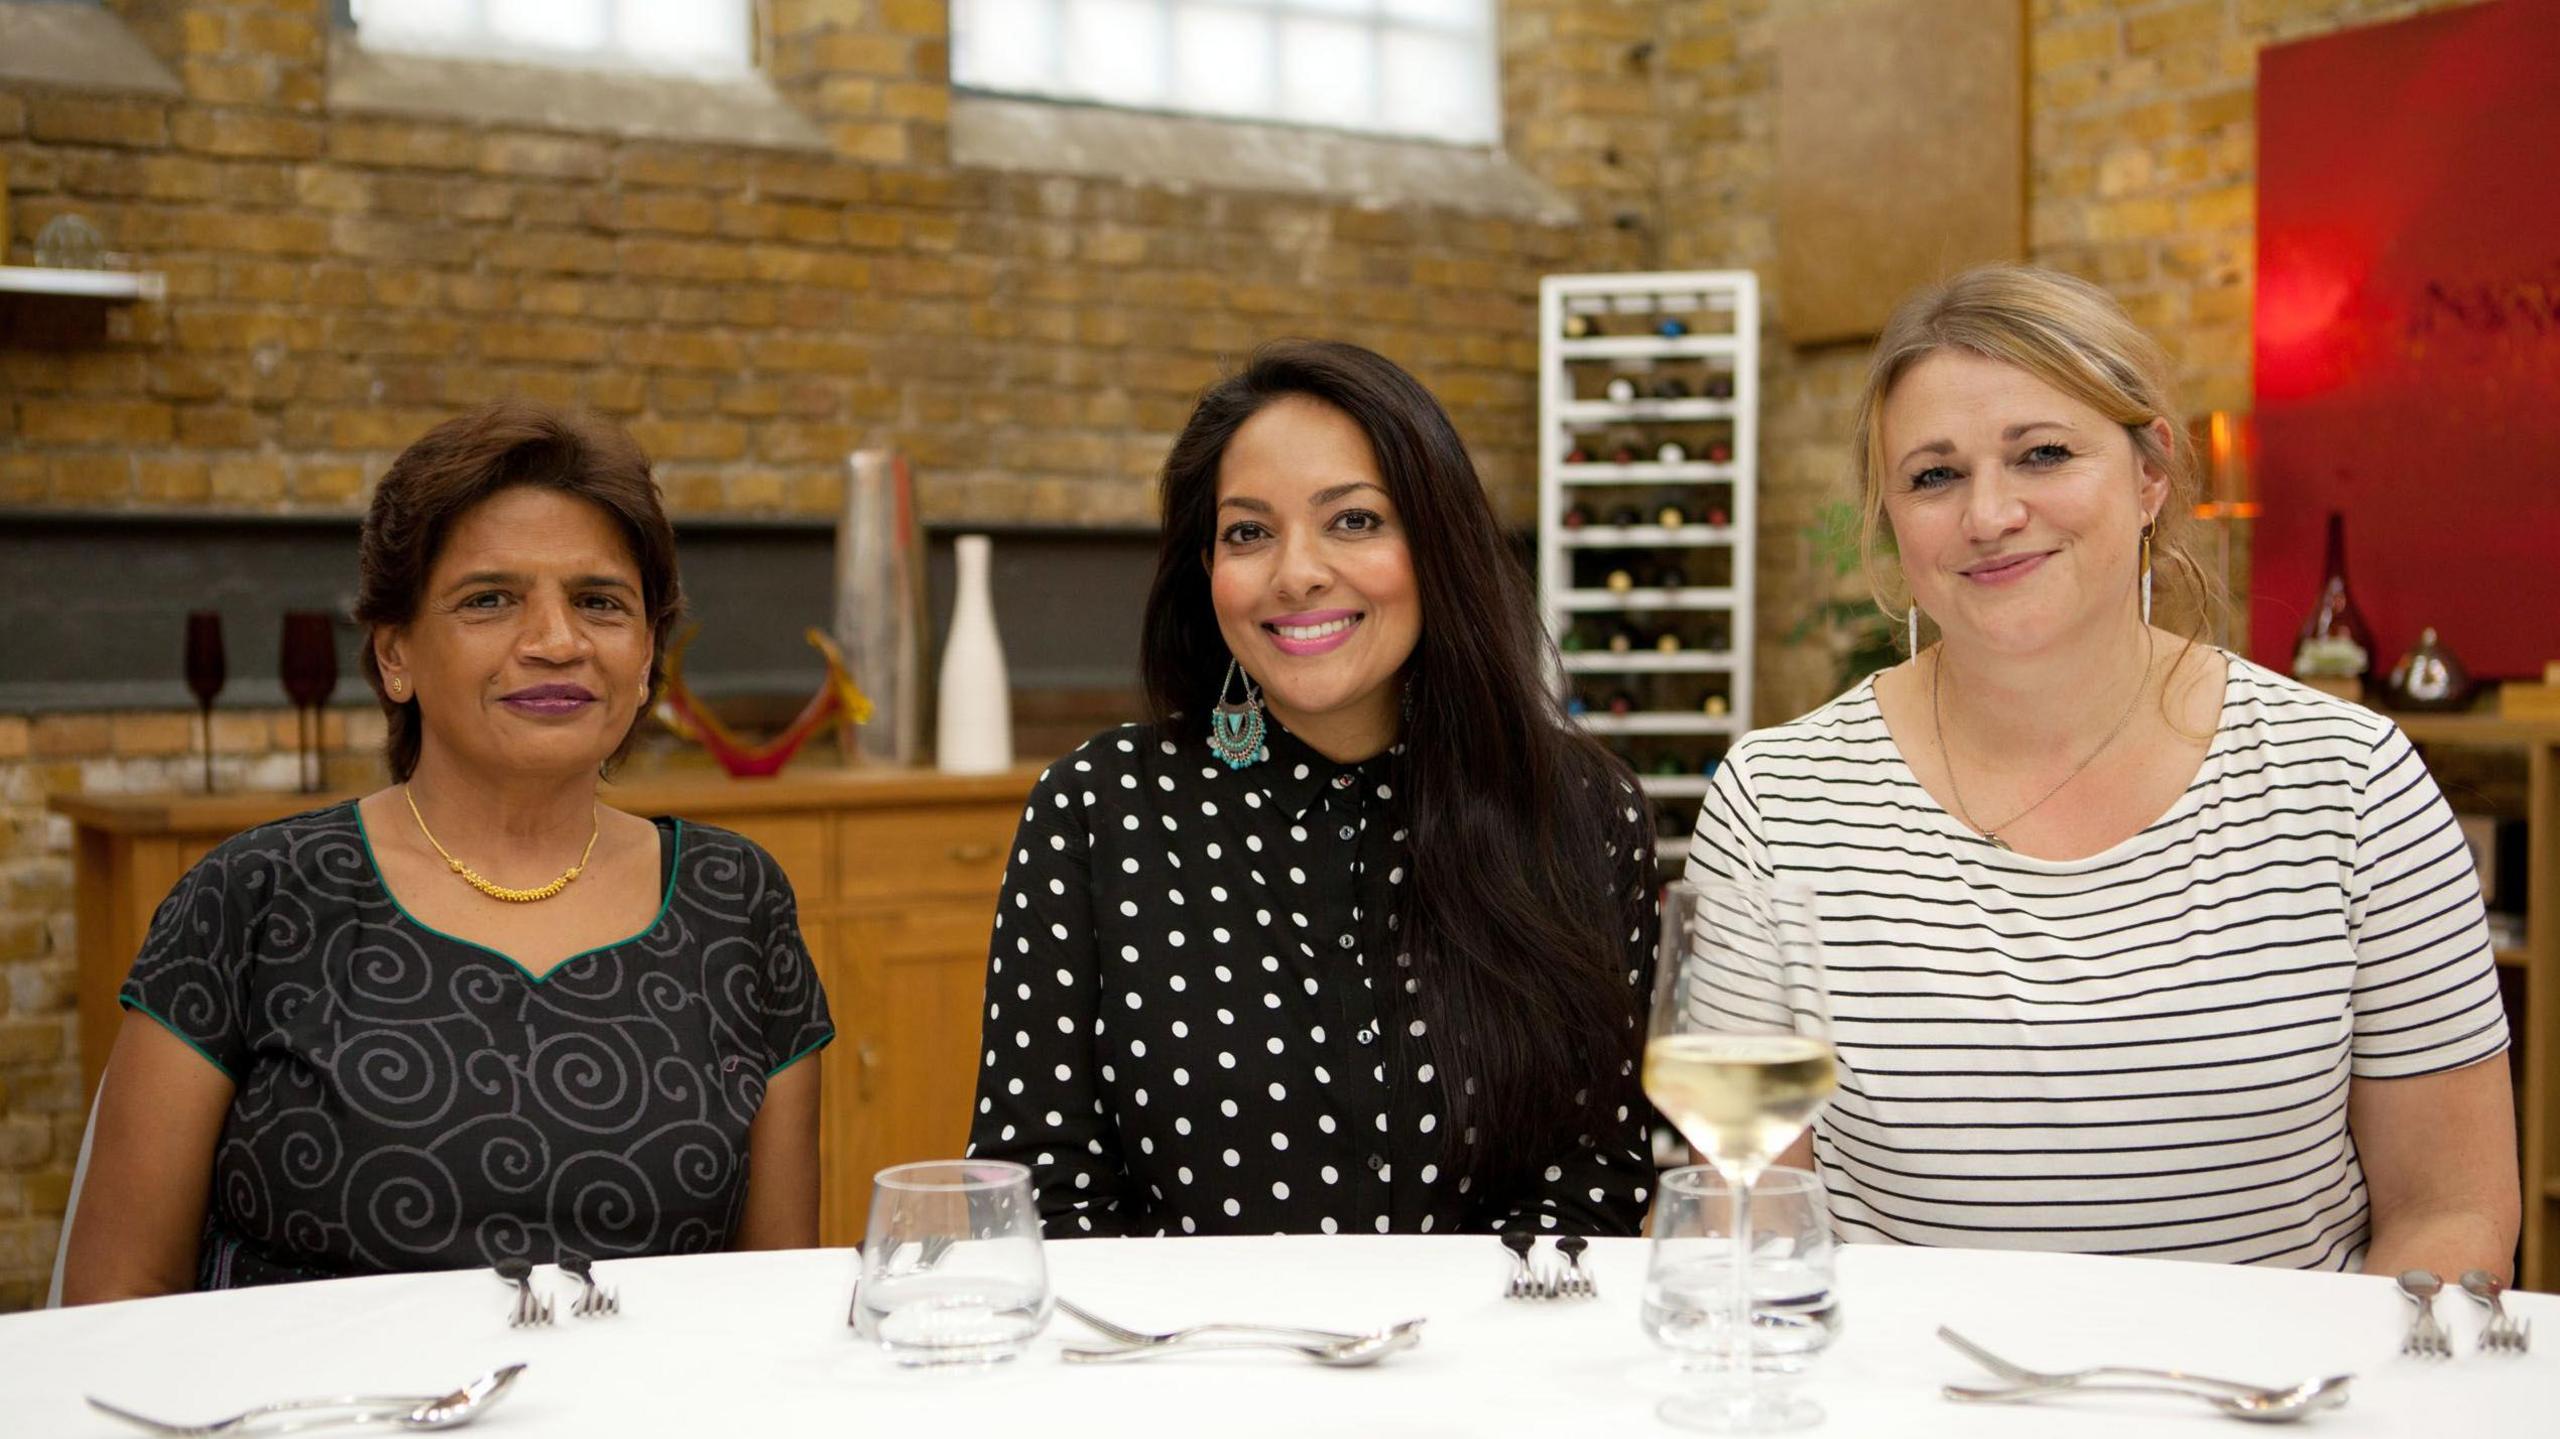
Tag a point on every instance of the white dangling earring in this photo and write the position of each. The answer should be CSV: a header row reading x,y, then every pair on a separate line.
x,y
1915,626
2146,573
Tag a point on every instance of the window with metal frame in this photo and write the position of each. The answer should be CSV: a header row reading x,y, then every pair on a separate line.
x,y
706,39
1424,69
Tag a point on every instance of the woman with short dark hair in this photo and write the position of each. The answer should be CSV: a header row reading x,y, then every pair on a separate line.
x,y
1353,935
476,1015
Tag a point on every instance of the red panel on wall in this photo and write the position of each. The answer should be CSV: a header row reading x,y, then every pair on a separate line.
x,y
2408,332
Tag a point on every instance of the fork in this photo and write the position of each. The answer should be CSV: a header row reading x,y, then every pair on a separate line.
x,y
594,1300
2021,1375
1526,1281
1129,1338
2502,1334
2426,1338
1571,1280
531,1308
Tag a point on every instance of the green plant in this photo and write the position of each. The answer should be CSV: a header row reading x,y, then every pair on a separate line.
x,y
1860,638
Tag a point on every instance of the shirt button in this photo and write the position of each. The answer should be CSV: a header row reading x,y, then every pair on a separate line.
x,y
1376,1164
1348,941
1368,1034
1348,832
1342,781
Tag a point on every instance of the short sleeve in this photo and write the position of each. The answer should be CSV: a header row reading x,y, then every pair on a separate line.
x,y
192,974
1727,842
2426,990
793,1019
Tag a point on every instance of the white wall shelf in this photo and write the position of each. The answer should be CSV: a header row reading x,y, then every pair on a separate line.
x,y
1642,472
1614,333
1620,537
1648,662
113,286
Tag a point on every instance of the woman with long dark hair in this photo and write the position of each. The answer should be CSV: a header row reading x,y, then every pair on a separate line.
x,y
1353,934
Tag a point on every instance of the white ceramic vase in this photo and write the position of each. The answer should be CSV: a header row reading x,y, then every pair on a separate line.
x,y
974,729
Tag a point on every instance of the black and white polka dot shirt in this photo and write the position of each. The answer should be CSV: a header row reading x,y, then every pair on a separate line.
x,y
1182,1029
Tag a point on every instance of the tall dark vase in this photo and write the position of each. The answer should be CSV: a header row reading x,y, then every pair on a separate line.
x,y
205,674
308,665
2322,648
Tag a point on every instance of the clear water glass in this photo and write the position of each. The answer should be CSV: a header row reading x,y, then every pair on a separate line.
x,y
1795,1308
952,1271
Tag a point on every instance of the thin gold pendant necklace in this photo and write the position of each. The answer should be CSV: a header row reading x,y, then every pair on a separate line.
x,y
1991,835
472,877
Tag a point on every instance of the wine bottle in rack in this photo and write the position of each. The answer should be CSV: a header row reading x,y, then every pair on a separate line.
x,y
1622,702
1572,642
1579,515
1719,386
1671,327
1577,456
1576,705
1719,452
1578,326
1622,639
1621,580
1626,517
1620,389
1671,516
1717,705
1671,577
1667,642
1670,452
1624,454
1671,387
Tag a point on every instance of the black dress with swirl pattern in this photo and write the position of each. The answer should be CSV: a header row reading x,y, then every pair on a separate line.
x,y
406,1100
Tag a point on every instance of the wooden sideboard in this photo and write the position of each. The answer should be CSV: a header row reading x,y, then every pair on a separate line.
x,y
896,873
2536,1056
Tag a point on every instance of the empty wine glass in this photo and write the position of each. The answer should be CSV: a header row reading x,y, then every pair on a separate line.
x,y
205,674
1738,1056
308,666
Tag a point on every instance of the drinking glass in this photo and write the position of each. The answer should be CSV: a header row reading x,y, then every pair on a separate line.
x,y
1688,1274
308,665
951,1266
1738,1056
205,674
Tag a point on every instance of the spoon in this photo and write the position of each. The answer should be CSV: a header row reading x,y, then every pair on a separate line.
x,y
2273,1406
1349,1353
436,1411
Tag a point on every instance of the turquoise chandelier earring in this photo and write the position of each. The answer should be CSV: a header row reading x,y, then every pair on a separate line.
x,y
1235,729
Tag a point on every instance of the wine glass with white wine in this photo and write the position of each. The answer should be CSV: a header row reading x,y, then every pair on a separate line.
x,y
1738,1056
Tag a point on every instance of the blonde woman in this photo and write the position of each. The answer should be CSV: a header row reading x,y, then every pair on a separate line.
x,y
2137,947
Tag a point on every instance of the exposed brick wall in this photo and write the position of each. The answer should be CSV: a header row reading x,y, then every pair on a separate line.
x,y
337,284
2142,160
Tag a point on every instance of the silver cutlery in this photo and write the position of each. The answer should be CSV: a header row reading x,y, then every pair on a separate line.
x,y
2275,1406
2426,1338
531,1308
405,1411
1571,1280
1126,1337
1526,1281
594,1300
2332,1390
2502,1334
1348,1353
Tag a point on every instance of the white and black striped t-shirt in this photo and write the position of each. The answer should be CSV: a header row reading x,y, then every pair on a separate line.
x,y
2147,1051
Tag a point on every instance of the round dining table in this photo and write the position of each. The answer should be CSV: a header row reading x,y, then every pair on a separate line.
x,y
757,1344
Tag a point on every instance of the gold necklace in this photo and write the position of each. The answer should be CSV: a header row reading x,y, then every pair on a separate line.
x,y
472,876
1992,835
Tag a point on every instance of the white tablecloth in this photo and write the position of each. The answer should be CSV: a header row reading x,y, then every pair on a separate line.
x,y
755,1345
